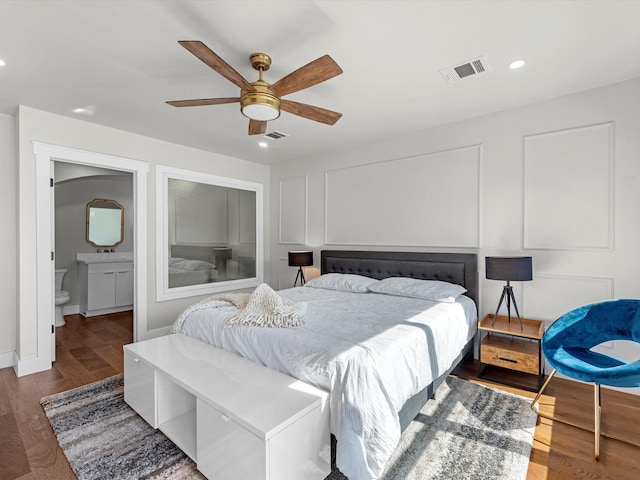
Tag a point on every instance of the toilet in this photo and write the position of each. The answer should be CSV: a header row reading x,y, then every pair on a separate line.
x,y
62,297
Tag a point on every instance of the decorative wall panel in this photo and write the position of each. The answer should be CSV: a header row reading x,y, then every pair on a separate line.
x,y
427,200
247,217
568,189
202,219
549,296
293,210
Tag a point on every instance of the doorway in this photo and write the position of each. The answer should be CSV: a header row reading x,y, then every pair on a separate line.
x,y
76,187
45,264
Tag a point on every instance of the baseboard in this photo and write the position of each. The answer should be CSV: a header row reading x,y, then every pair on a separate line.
x,y
28,366
157,332
6,359
70,309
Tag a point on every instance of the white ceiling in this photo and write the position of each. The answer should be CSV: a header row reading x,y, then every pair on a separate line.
x,y
121,60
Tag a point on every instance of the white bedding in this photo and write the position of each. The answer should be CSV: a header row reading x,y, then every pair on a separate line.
x,y
183,272
371,351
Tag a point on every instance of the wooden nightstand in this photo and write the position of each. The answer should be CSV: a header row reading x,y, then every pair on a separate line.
x,y
510,355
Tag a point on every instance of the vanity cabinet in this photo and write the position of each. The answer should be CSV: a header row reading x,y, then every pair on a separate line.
x,y
105,287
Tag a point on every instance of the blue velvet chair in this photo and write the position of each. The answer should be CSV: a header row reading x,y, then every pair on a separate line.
x,y
567,347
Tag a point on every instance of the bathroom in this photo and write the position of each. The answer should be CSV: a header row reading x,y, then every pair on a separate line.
x,y
76,186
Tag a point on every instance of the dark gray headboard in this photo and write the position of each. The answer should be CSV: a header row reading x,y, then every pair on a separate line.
x,y
459,268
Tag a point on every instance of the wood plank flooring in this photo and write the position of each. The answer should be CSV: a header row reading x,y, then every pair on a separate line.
x,y
88,350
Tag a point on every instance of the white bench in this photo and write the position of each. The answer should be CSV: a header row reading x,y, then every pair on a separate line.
x,y
233,417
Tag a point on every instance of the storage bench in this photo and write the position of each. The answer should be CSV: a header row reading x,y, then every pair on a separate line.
x,y
233,417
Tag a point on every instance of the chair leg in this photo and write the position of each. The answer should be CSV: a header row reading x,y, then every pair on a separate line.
x,y
535,400
597,413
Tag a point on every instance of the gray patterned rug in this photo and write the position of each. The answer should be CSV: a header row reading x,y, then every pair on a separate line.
x,y
468,432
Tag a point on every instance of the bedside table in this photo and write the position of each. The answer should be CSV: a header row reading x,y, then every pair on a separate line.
x,y
510,355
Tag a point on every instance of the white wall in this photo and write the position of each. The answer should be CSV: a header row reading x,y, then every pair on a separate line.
x,y
8,220
35,125
592,138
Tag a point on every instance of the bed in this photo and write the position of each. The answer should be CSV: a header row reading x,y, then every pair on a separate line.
x,y
381,356
191,265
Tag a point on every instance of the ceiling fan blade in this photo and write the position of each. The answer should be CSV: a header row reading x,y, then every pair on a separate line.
x,y
203,101
316,114
257,127
205,54
311,74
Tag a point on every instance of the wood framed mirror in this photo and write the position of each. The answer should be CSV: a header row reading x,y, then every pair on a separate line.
x,y
105,223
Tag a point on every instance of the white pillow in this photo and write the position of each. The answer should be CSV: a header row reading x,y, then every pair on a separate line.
x,y
185,264
343,282
434,290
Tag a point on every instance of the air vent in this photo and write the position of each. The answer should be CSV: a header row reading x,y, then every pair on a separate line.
x,y
468,69
276,135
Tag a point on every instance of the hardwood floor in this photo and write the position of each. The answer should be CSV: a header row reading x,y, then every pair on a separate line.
x,y
87,350
90,350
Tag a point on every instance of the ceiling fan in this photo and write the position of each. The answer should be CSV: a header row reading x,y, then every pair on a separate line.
x,y
260,101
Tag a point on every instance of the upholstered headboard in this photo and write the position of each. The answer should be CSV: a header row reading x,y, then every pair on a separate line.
x,y
459,268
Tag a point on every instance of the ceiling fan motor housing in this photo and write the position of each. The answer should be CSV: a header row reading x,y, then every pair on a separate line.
x,y
261,104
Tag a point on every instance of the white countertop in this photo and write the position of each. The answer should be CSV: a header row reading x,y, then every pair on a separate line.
x,y
105,257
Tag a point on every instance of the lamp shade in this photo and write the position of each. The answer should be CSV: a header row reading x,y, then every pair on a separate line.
x,y
518,269
301,258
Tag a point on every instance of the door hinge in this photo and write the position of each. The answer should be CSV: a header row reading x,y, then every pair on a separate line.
x,y
53,329
51,182
52,256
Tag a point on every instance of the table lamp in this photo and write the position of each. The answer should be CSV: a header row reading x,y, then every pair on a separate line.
x,y
511,269
300,258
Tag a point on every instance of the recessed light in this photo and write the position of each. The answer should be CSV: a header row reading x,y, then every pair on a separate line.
x,y
516,64
2,63
263,144
88,110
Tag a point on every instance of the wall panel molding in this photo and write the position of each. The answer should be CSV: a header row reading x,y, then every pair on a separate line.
x,y
293,211
569,189
549,296
404,202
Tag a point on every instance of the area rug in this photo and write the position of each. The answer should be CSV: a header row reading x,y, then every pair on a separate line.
x,y
468,432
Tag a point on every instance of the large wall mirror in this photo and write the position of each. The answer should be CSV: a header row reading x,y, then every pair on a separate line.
x,y
209,233
105,223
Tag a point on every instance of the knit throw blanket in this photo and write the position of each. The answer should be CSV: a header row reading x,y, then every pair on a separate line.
x,y
262,308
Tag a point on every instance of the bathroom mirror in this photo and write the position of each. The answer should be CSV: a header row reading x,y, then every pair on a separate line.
x,y
105,223
210,236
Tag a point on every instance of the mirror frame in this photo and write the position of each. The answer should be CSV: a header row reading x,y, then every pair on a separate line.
x,y
117,206
163,292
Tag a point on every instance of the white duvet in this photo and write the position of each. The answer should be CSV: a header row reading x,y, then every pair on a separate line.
x,y
371,351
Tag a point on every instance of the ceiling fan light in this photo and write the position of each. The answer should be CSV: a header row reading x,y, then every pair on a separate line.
x,y
260,106
261,113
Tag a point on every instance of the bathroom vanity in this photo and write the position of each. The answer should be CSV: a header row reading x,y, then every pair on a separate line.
x,y
105,283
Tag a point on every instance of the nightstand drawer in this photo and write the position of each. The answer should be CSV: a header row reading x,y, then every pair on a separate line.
x,y
512,353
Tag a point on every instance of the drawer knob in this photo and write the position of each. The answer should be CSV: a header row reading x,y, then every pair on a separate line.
x,y
224,418
137,360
